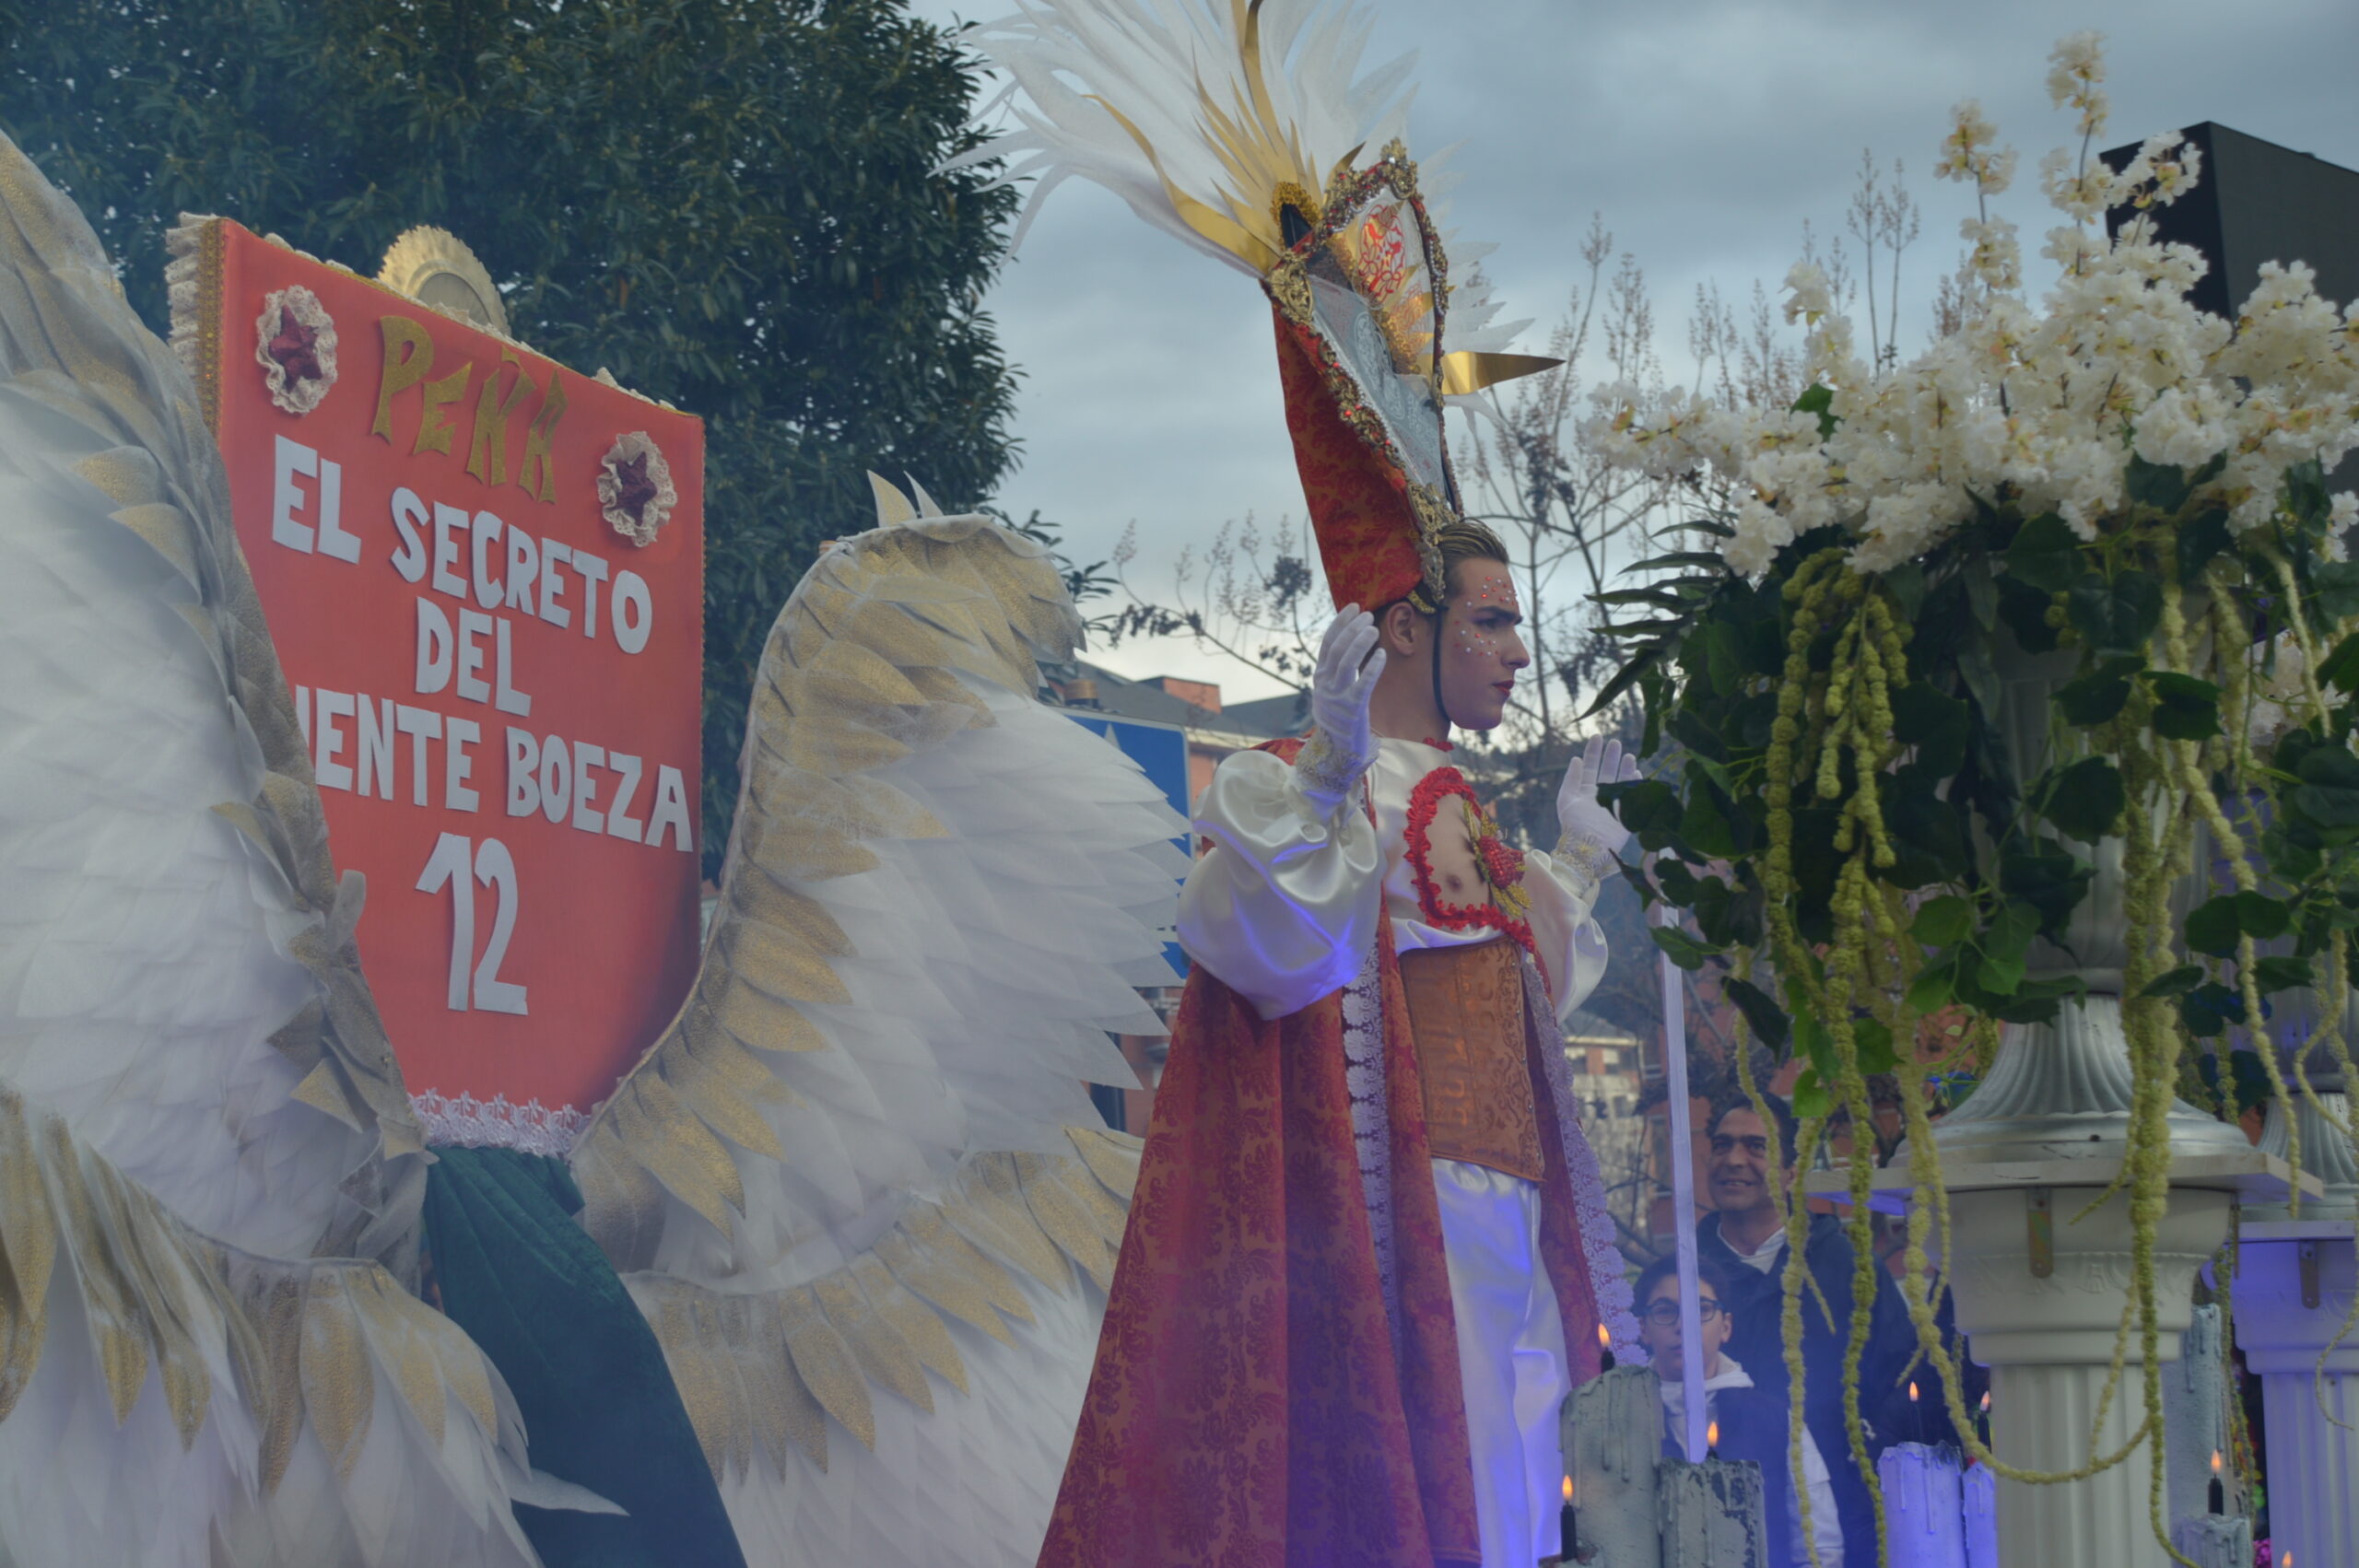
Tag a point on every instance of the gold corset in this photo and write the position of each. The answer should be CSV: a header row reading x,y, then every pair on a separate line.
x,y
1466,1014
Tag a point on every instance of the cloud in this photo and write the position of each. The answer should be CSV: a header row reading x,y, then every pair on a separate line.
x,y
1705,134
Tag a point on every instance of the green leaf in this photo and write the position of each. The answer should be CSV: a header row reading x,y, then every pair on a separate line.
x,y
2336,586
1658,598
1640,666
1817,1046
2202,538
1872,1041
2185,707
2024,609
1715,565
1647,807
1981,591
2178,982
2083,800
1684,950
2100,695
1928,834
2305,494
2328,793
1763,1016
2284,974
1705,825
2209,1009
1933,987
1981,676
2049,879
2340,668
1678,884
2115,614
2011,931
1811,1098
1944,921
2262,917
2162,486
1906,583
2213,927
2046,554
1933,722
1819,400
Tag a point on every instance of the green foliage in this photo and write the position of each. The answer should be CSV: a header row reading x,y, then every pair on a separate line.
x,y
730,203
1919,872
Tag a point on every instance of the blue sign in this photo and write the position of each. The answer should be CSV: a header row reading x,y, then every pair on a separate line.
x,y
1161,752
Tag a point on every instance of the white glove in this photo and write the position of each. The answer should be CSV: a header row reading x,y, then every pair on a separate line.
x,y
1340,746
1589,835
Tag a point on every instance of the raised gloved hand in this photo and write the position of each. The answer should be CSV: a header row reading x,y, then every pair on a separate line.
x,y
1341,746
1589,834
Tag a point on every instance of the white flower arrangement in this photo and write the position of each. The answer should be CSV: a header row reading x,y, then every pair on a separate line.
x,y
2040,404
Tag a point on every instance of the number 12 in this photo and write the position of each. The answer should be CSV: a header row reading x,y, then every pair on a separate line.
x,y
451,861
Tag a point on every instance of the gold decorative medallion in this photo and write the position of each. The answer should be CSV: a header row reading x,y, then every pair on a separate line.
x,y
435,267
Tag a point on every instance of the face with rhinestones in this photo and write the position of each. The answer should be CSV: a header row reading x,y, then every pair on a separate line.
x,y
1480,648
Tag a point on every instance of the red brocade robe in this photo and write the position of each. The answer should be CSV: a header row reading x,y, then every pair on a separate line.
x,y
1253,1405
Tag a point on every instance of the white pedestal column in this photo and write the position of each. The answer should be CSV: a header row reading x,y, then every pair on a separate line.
x,y
2040,1298
2313,1461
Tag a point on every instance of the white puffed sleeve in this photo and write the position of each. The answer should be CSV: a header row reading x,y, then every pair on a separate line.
x,y
1571,948
1284,909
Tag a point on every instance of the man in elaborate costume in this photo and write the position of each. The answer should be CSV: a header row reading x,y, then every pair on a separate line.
x,y
1367,1256
1358,1283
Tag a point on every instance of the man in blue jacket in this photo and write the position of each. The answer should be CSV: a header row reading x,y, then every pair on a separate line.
x,y
1746,1238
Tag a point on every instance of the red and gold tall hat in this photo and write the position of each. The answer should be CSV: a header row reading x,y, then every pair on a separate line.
x,y
1235,125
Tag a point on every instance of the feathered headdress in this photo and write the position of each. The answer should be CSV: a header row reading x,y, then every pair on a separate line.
x,y
1237,125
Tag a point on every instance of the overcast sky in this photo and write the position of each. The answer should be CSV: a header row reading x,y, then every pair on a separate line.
x,y
1705,132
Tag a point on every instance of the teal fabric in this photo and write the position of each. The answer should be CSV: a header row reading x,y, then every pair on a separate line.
x,y
516,1272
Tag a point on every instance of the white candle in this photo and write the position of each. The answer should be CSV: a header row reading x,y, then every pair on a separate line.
x,y
1981,1489
2216,1541
1924,1507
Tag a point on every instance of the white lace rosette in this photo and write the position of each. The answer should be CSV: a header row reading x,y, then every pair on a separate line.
x,y
635,490
295,345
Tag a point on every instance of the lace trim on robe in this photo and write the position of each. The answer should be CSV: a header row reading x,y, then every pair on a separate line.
x,y
1364,1079
1608,1277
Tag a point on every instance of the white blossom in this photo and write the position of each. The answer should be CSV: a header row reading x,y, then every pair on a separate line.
x,y
1993,255
2040,404
2075,68
1967,153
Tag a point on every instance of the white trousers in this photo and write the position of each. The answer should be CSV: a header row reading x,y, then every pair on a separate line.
x,y
1511,1357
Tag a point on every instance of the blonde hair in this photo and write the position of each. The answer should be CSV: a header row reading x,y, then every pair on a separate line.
x,y
1460,539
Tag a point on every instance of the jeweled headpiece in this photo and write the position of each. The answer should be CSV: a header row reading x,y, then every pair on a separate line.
x,y
1235,125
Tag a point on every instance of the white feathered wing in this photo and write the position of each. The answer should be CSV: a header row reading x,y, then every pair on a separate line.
x,y
206,1157
858,1187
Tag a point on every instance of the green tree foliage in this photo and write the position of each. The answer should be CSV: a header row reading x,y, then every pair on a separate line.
x,y
730,204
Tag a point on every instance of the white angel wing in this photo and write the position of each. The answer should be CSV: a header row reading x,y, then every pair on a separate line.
x,y
170,1400
196,1096
850,1186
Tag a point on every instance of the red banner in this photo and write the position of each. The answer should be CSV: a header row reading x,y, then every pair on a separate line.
x,y
484,574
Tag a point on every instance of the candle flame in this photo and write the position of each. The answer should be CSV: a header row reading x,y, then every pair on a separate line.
x,y
1604,1340
1569,1492
1912,1391
1986,1402
1712,1436
2215,1462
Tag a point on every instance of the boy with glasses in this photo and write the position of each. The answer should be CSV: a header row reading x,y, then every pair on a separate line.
x,y
1751,1420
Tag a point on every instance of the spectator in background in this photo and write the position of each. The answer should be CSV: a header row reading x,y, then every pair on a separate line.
x,y
1752,1419
1745,1238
